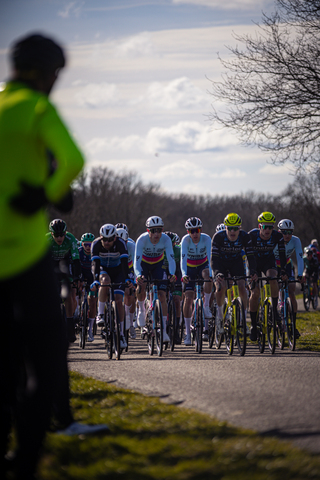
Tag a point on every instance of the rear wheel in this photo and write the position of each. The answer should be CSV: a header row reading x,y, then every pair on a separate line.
x,y
261,330
228,337
199,325
83,325
126,331
306,298
108,331
158,329
218,337
291,326
116,331
149,334
171,325
271,329
241,328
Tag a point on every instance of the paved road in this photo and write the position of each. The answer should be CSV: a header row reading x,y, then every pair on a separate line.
x,y
272,394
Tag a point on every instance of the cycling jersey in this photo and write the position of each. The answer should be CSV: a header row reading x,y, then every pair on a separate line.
x,y
29,126
294,245
263,249
116,256
223,251
67,251
85,260
151,254
195,255
131,246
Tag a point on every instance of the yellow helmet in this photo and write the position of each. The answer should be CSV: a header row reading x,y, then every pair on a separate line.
x,y
232,220
266,217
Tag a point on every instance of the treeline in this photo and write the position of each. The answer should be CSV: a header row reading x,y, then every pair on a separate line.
x,y
102,196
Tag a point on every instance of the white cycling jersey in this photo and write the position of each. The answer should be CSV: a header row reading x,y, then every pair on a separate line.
x,y
131,246
195,255
293,246
152,254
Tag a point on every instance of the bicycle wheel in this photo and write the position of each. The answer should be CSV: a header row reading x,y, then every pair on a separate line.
x,y
241,328
291,326
126,332
306,298
218,337
260,330
199,325
171,325
314,301
271,328
158,331
108,320
228,337
280,329
83,325
211,331
116,330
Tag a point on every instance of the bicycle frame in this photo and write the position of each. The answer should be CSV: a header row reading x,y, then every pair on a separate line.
x,y
234,320
154,312
265,320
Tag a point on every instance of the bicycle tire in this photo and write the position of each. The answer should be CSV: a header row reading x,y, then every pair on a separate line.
x,y
291,326
306,298
313,301
108,331
219,337
83,326
241,328
158,327
171,325
199,325
126,332
116,330
280,331
271,329
260,330
228,337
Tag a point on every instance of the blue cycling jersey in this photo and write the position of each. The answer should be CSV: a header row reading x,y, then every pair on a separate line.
x,y
263,249
223,250
152,254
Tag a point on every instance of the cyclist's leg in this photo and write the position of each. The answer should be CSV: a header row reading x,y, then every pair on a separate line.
x,y
220,300
253,307
207,290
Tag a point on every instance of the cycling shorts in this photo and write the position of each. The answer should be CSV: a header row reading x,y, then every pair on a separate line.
x,y
193,273
156,272
265,263
116,276
234,267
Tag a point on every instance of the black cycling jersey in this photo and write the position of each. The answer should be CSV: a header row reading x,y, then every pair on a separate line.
x,y
109,259
263,249
224,251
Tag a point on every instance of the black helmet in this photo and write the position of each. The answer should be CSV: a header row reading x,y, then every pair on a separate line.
x,y
58,226
36,52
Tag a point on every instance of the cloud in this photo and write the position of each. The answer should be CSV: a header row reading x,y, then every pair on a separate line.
x,y
136,46
270,169
94,95
74,8
230,4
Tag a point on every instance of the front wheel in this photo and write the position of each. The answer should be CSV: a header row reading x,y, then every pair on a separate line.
x,y
116,331
108,319
261,329
306,298
228,336
241,328
199,325
171,325
158,326
83,325
291,326
271,328
280,328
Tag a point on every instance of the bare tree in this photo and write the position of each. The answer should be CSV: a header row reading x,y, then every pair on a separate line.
x,y
272,85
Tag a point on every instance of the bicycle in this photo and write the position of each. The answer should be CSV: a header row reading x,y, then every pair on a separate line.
x,y
212,326
308,295
111,331
172,321
288,324
266,322
153,329
197,320
83,316
234,319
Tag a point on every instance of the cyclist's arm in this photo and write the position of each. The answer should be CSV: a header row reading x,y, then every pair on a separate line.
x,y
138,257
208,248
184,256
299,255
170,256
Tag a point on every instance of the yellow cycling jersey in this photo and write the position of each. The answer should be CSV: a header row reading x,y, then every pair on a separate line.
x,y
30,127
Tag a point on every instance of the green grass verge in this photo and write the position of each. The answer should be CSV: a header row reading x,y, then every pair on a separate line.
x,y
153,440
308,324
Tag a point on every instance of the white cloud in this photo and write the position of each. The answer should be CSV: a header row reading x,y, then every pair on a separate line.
x,y
227,5
270,169
95,95
71,8
136,46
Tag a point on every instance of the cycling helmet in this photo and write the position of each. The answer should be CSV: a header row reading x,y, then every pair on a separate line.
x,y
36,52
58,226
286,224
122,225
266,217
308,251
108,230
154,222
193,222
174,237
232,220
87,237
122,233
220,227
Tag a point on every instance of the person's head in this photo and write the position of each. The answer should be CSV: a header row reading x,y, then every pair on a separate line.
x,y
37,60
314,243
86,241
266,224
232,224
122,225
154,228
122,233
286,227
194,227
108,235
220,227
58,229
174,237
309,253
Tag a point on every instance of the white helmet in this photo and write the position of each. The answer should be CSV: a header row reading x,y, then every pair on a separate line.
x,y
122,225
285,224
154,222
220,227
122,233
108,230
193,222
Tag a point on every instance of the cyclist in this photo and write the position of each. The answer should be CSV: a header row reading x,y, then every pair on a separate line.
x,y
228,246
129,293
85,261
109,257
292,244
264,240
220,226
311,271
65,251
177,293
149,256
195,261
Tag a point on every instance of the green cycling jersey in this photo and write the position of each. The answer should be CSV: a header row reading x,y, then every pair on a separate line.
x,y
67,250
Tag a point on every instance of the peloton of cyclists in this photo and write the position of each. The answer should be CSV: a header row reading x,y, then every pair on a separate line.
x,y
311,271
85,260
149,256
195,262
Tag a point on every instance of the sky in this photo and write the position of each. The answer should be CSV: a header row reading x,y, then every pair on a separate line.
x,y
136,90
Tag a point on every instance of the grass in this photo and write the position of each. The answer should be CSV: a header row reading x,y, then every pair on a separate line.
x,y
153,440
308,324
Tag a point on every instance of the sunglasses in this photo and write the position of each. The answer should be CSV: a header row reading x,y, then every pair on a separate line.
x,y
194,230
109,239
287,232
267,227
87,244
233,228
57,235
155,230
